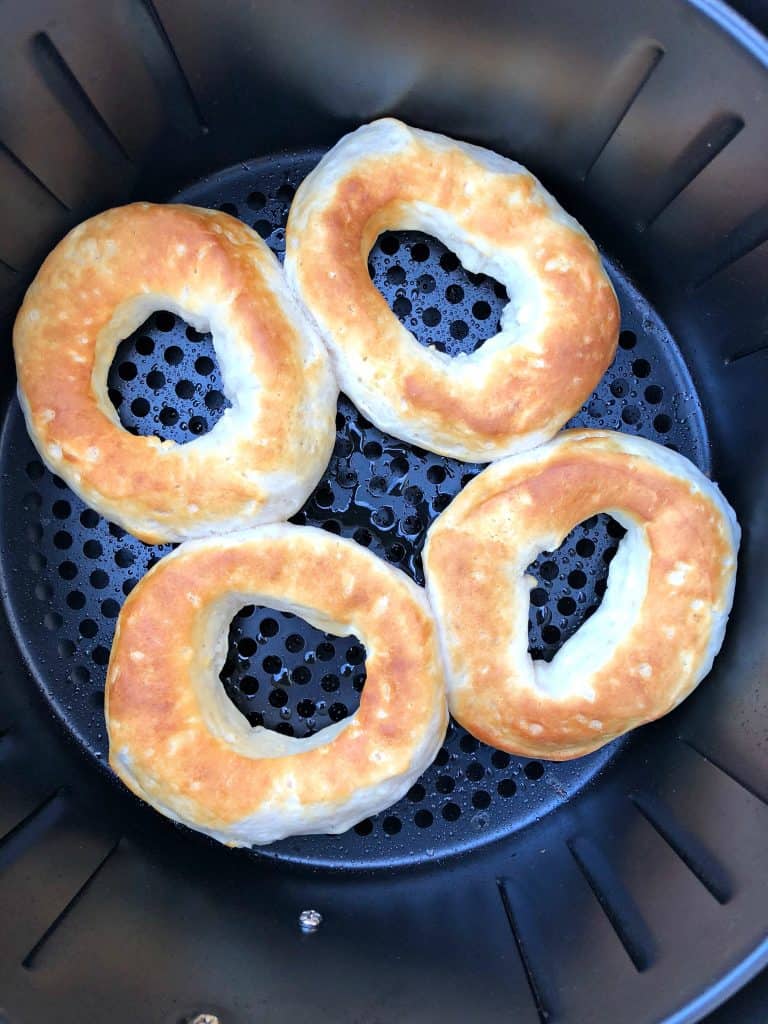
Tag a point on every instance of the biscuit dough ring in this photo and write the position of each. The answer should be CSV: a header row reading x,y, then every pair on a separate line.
x,y
558,332
179,743
661,621
262,458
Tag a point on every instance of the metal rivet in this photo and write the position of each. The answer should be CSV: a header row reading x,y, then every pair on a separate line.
x,y
310,920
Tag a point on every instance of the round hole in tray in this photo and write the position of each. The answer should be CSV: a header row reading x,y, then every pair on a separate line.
x,y
282,671
165,380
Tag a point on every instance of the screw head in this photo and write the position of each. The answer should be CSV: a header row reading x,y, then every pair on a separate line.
x,y
205,1018
310,920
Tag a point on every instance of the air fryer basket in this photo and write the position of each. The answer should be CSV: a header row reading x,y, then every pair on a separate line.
x,y
626,886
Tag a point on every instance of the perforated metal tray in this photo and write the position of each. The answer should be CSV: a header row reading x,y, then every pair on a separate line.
x,y
281,672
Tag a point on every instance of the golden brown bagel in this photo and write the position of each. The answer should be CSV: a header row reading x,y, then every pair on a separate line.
x,y
176,739
558,332
662,619
264,456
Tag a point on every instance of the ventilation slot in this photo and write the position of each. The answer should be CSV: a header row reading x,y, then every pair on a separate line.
x,y
33,218
745,353
751,233
541,1003
32,956
688,848
59,78
752,789
30,829
617,904
30,175
167,69
622,89
8,275
698,154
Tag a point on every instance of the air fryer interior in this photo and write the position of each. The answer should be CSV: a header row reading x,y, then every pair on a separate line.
x,y
626,886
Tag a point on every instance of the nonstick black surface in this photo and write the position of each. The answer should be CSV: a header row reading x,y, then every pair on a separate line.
x,y
70,571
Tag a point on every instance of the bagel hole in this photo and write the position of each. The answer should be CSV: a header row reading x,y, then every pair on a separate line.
x,y
570,584
165,380
288,676
441,303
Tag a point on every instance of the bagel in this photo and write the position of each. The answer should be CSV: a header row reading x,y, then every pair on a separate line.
x,y
178,742
662,619
267,452
558,332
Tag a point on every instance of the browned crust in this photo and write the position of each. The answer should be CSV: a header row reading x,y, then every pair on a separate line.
x,y
153,713
162,250
509,213
472,544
